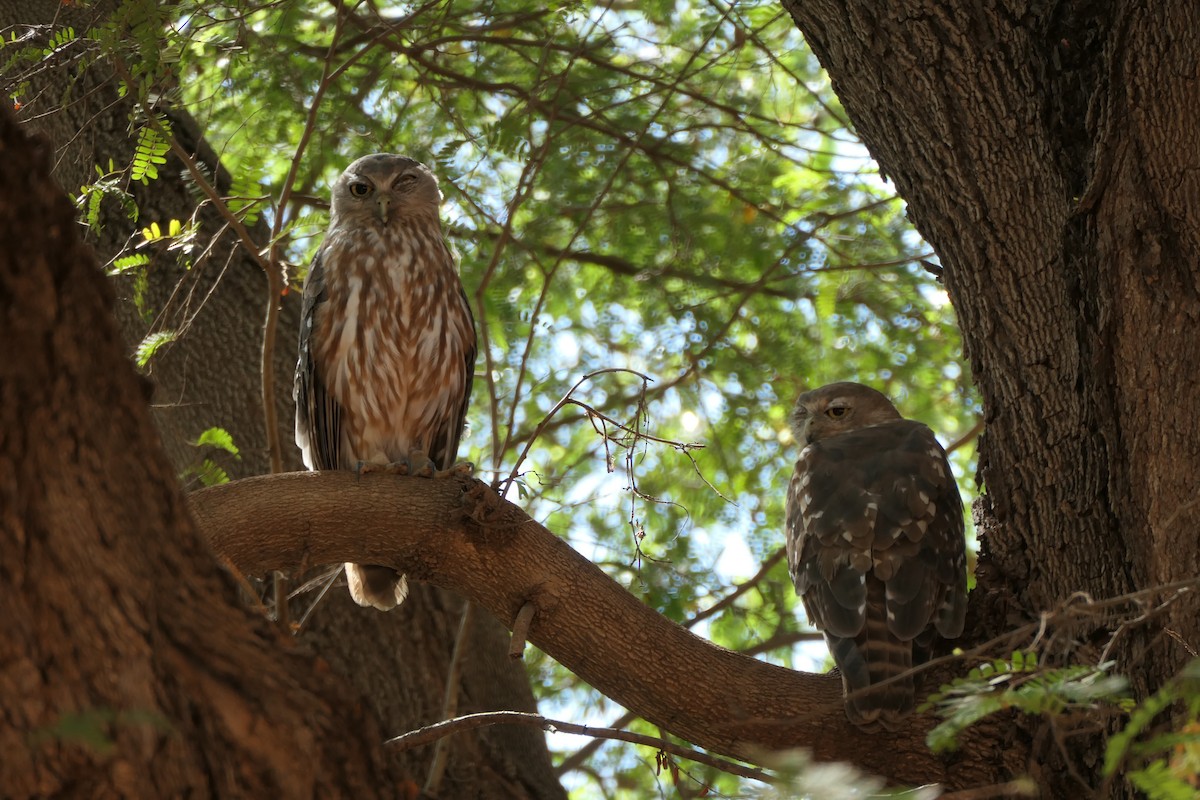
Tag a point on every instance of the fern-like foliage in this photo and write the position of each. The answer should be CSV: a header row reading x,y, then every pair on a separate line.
x,y
151,344
219,438
1018,683
210,474
60,38
149,152
127,263
207,471
1168,761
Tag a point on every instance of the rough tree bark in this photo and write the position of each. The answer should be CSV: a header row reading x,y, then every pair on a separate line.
x,y
210,377
1048,151
126,667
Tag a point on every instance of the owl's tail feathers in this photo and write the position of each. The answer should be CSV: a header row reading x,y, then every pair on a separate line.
x,y
876,672
381,587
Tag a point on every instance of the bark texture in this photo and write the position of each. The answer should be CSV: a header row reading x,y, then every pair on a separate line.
x,y
126,667
1048,152
210,377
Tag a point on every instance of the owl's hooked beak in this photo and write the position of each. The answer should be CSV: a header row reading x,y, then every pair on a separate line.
x,y
381,208
803,431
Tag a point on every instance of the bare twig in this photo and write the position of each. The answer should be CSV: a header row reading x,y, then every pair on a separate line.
x,y
441,753
440,730
576,759
276,279
566,400
967,437
743,587
326,582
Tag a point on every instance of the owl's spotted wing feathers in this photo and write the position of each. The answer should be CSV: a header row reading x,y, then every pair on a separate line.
x,y
318,416
875,547
443,448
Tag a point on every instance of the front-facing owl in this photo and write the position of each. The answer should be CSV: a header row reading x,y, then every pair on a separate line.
x,y
387,339
875,543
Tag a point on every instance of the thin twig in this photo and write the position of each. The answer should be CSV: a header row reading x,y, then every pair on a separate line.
x,y
566,400
440,730
576,759
441,753
528,173
967,437
326,582
1074,609
729,599
275,270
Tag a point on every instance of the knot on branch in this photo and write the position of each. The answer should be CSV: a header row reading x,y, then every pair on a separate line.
x,y
493,518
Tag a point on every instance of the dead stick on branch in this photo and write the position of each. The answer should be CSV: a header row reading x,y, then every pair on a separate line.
x,y
520,631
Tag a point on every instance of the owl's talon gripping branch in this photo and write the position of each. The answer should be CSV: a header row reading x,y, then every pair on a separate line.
x,y
394,468
419,465
463,469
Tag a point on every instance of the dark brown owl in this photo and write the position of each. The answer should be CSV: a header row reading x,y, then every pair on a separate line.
x,y
387,339
875,543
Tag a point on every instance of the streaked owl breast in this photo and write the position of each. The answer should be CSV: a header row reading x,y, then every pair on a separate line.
x,y
391,339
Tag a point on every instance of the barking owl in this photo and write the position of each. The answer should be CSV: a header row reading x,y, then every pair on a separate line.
x,y
875,543
387,339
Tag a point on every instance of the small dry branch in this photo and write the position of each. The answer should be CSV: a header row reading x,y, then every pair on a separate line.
x,y
439,730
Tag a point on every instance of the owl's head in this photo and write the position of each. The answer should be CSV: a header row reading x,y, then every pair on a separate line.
x,y
837,408
379,189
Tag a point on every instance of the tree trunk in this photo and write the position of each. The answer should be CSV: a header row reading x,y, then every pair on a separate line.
x,y
211,377
1048,152
126,667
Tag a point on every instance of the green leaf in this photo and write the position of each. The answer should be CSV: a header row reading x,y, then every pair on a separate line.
x,y
1018,684
212,475
126,263
149,153
150,345
61,38
219,438
1158,783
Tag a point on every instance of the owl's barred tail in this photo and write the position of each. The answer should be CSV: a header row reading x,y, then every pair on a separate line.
x,y
872,663
380,587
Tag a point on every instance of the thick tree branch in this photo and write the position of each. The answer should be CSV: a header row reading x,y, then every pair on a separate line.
x,y
456,533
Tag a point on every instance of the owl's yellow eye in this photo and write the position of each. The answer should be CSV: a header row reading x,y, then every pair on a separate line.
x,y
836,411
360,189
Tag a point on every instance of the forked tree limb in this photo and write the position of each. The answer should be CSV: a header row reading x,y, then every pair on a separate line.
x,y
458,534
